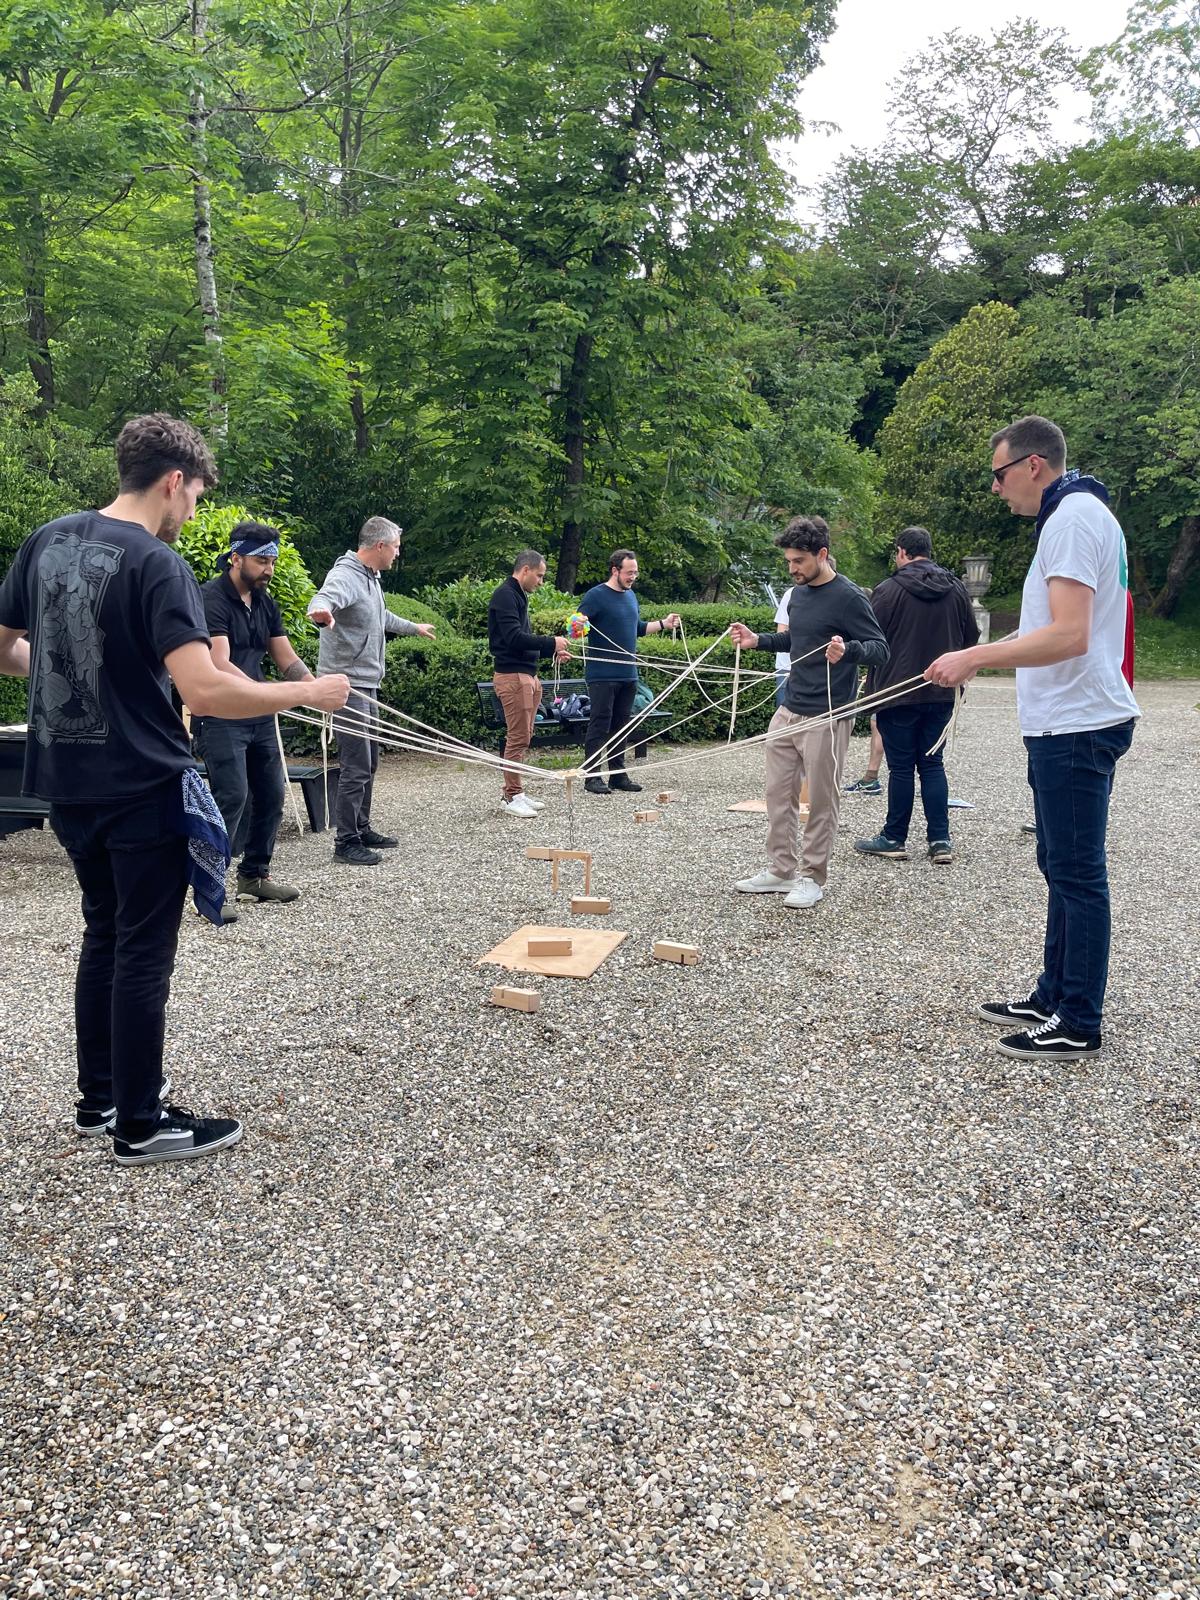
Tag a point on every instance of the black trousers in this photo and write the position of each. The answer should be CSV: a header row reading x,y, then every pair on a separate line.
x,y
133,872
612,704
246,777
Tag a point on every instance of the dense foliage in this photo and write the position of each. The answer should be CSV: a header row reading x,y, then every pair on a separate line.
x,y
521,272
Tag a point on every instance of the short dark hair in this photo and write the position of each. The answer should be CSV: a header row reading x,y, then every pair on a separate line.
x,y
149,446
1033,436
805,533
618,559
528,558
915,542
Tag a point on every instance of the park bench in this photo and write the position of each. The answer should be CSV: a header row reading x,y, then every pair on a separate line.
x,y
551,732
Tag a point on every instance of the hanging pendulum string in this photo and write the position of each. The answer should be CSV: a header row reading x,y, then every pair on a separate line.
x,y
837,777
286,784
737,673
950,731
326,727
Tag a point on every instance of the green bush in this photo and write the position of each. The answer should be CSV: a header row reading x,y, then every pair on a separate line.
x,y
47,468
417,611
12,700
206,537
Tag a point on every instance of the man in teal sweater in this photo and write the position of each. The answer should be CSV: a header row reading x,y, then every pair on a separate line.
x,y
611,666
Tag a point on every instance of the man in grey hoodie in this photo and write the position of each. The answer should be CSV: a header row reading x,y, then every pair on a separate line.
x,y
349,608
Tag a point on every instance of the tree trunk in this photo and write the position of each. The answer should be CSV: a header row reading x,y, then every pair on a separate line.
x,y
604,259
1183,558
37,330
206,275
575,420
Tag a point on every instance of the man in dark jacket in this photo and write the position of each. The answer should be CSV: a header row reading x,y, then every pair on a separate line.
x,y
924,611
515,654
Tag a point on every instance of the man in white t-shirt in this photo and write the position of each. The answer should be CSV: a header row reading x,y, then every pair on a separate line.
x,y
1077,711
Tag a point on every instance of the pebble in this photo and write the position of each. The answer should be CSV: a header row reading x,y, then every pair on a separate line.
x,y
767,1276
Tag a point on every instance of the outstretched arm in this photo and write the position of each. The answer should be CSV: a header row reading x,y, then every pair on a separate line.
x,y
209,692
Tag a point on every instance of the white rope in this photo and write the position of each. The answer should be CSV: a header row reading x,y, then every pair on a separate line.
x,y
592,763
737,672
286,784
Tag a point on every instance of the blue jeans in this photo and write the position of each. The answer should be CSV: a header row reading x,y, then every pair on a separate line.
x,y
907,733
245,775
1071,775
133,874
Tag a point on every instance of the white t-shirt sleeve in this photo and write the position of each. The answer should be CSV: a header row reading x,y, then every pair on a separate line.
x,y
783,660
1072,547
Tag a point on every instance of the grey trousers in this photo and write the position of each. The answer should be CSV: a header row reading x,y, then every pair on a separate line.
x,y
358,758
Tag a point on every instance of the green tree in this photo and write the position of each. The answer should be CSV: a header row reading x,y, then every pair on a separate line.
x,y
935,450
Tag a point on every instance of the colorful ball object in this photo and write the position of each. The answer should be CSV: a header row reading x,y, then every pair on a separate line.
x,y
578,625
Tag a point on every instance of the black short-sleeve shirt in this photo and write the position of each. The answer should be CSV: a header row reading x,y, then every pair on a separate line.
x,y
103,602
249,628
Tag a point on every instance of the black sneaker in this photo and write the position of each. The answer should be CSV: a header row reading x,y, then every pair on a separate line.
x,y
1005,1011
89,1123
597,786
881,845
378,841
179,1136
625,782
1051,1042
357,855
940,853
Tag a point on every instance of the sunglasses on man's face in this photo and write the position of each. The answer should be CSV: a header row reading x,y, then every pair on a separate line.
x,y
998,472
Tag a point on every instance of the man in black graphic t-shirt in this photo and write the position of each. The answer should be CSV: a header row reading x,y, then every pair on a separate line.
x,y
241,756
101,615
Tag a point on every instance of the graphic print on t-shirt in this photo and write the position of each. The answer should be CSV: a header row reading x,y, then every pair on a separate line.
x,y
64,703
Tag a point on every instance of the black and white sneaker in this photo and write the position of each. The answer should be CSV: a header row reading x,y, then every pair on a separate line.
x,y
1006,1011
179,1135
89,1123
1051,1042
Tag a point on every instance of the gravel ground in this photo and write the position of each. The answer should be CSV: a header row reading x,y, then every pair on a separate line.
x,y
764,1277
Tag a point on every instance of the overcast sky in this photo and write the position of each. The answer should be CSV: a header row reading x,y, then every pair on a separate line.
x,y
873,40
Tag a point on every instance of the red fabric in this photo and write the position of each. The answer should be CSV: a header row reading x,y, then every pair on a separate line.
x,y
1127,660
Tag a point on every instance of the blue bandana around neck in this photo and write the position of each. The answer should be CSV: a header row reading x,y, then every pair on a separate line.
x,y
1071,482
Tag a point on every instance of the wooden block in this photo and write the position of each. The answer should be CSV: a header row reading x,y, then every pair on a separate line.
x,y
686,955
584,905
516,999
665,796
646,816
549,947
540,852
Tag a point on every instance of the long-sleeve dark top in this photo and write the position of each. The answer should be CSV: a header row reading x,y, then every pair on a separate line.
x,y
514,648
815,614
924,611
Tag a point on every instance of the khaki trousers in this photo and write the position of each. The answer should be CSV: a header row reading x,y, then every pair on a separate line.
x,y
820,758
519,694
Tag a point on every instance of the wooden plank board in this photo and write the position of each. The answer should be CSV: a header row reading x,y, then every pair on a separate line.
x,y
589,948
758,806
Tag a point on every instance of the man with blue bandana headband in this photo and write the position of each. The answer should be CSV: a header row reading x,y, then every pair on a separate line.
x,y
245,772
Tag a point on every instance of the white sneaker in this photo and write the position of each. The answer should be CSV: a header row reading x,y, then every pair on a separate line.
x,y
805,895
538,805
518,806
765,882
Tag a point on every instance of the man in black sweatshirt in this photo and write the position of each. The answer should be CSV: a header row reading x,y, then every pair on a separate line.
x,y
924,611
515,654
831,629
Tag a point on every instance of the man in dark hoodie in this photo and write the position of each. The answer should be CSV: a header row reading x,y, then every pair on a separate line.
x,y
516,652
1077,713
924,611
